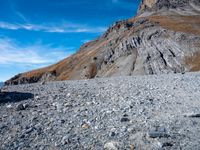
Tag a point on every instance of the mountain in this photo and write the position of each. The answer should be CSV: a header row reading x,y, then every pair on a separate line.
x,y
164,37
1,84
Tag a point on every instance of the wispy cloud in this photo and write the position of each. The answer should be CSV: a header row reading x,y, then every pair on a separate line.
x,y
33,56
21,16
65,28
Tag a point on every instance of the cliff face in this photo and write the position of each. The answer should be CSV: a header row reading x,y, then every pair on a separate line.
x,y
163,38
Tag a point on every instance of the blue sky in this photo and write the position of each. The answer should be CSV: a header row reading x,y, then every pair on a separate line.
x,y
37,33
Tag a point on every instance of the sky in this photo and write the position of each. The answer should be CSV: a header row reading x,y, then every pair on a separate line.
x,y
38,33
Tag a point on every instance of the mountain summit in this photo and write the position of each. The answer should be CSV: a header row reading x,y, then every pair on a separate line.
x,y
181,7
164,37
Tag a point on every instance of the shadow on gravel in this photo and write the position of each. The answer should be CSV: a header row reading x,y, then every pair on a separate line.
x,y
11,97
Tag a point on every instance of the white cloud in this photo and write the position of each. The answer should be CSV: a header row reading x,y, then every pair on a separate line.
x,y
4,25
34,56
64,28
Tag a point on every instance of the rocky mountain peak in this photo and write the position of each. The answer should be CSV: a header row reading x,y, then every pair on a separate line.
x,y
176,6
147,4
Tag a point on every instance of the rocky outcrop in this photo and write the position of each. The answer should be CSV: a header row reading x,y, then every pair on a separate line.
x,y
163,38
184,7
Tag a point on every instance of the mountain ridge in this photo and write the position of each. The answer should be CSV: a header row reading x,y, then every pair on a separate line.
x,y
164,37
1,84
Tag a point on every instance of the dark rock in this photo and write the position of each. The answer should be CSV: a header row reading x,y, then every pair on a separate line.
x,y
22,107
125,119
125,115
158,133
62,121
193,115
167,144
112,134
43,83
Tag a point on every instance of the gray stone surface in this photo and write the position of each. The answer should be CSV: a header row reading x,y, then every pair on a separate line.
x,y
162,112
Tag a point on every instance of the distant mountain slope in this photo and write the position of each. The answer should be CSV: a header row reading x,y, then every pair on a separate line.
x,y
1,84
163,38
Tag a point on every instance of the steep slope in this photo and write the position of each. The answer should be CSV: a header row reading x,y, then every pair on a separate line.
x,y
163,38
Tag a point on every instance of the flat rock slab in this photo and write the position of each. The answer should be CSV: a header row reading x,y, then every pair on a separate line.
x,y
141,112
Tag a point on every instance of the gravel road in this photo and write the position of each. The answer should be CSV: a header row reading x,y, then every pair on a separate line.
x,y
125,113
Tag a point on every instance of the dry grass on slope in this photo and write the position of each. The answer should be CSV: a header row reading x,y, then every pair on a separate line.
x,y
71,67
186,24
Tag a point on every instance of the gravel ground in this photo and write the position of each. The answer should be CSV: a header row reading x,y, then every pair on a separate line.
x,y
133,113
